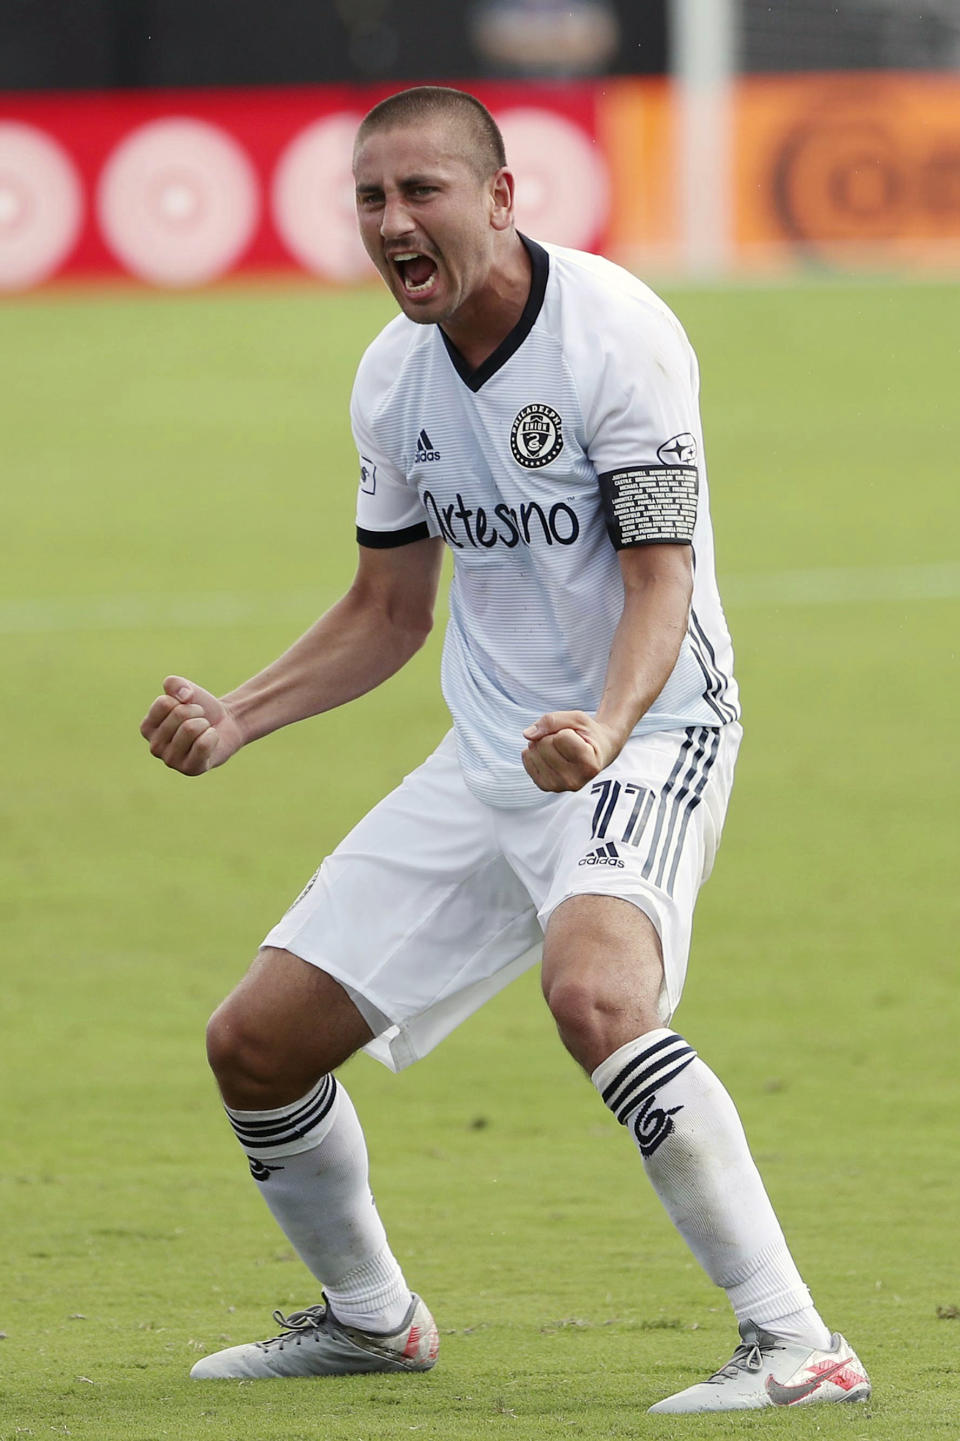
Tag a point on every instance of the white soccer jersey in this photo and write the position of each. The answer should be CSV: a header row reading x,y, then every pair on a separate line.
x,y
578,436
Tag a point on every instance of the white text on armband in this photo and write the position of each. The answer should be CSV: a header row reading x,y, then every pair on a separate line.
x,y
649,504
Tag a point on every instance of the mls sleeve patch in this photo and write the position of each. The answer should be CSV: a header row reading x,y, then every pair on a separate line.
x,y
368,476
649,504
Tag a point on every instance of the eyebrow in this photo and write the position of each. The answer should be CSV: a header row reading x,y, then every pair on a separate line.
x,y
369,188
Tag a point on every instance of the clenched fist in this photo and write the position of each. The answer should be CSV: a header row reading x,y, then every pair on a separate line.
x,y
565,749
189,729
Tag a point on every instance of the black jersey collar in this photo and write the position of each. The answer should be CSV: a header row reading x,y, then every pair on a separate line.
x,y
474,379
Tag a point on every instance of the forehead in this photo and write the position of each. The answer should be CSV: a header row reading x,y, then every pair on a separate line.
x,y
437,145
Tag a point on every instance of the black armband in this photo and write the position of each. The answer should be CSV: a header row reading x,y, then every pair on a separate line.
x,y
387,539
649,504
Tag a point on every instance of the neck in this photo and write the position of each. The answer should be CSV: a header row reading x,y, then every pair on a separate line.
x,y
488,318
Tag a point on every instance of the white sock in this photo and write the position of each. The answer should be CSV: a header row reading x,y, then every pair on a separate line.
x,y
696,1155
310,1160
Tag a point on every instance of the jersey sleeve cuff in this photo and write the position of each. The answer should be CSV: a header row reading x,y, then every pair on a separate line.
x,y
387,539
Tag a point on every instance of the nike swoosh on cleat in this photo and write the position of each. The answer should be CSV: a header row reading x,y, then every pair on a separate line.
x,y
788,1395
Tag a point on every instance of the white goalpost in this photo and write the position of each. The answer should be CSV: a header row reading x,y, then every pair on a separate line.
x,y
703,63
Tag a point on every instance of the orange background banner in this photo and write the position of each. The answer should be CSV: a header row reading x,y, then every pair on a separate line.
x,y
829,165
846,169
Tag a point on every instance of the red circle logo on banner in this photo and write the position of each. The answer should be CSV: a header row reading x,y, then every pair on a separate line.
x,y
41,205
312,200
178,202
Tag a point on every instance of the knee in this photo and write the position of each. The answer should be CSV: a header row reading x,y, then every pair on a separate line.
x,y
286,1025
602,975
238,1053
595,1016
582,1015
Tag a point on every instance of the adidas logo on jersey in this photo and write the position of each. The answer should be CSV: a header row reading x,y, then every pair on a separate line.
x,y
602,856
425,450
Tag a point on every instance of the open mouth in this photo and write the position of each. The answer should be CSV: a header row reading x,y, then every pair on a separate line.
x,y
418,273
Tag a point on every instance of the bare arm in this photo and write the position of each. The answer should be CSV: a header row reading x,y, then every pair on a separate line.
x,y
375,628
568,748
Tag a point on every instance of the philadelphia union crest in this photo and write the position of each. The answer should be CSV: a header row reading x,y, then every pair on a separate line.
x,y
536,437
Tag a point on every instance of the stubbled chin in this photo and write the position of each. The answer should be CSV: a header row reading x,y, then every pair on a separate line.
x,y
427,307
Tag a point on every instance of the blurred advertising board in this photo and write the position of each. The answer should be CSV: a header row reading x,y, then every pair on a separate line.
x,y
841,167
182,188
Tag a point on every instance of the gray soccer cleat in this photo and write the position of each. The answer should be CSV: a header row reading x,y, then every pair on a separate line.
x,y
766,1370
314,1343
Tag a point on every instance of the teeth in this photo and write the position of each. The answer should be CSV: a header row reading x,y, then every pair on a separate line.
x,y
400,259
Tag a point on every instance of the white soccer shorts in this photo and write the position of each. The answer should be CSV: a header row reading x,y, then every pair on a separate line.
x,y
435,901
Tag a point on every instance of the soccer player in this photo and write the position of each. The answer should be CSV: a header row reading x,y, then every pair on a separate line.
x,y
535,410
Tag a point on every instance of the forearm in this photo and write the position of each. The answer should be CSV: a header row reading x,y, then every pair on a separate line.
x,y
349,651
645,647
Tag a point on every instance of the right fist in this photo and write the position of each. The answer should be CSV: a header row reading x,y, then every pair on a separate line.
x,y
189,729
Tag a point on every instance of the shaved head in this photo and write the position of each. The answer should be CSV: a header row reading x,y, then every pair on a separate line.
x,y
481,139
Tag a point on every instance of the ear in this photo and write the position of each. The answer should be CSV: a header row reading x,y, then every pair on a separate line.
x,y
501,199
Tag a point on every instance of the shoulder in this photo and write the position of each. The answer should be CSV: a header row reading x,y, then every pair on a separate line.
x,y
385,360
593,296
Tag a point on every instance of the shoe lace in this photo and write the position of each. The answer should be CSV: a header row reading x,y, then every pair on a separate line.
x,y
295,1326
747,1357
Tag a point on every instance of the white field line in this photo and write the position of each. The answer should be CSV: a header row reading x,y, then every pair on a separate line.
x,y
847,585
842,585
160,612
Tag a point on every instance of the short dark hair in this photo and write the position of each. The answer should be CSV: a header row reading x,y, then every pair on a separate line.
x,y
486,152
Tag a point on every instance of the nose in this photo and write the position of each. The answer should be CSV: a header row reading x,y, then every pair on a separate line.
x,y
395,220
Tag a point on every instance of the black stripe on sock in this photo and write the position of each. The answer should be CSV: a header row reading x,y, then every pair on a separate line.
x,y
260,1135
264,1144
631,1102
637,1060
274,1123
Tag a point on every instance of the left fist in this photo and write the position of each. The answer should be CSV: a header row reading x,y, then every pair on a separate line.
x,y
567,748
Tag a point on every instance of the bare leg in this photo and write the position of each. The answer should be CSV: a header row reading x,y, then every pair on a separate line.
x,y
285,1025
601,975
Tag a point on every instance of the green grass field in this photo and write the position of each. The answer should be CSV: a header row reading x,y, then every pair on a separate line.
x,y
178,489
